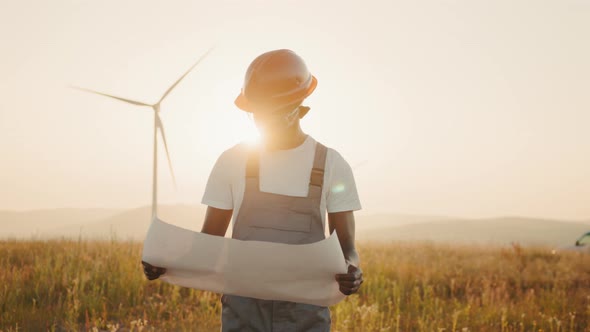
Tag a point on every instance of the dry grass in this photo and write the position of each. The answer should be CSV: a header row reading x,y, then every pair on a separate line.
x,y
98,285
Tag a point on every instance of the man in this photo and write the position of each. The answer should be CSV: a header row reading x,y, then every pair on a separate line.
x,y
280,192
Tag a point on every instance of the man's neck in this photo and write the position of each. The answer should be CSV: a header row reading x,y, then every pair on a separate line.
x,y
286,141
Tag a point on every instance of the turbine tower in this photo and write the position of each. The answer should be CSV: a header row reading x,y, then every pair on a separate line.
x,y
157,126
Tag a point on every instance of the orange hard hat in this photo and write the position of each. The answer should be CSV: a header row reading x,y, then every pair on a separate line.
x,y
274,80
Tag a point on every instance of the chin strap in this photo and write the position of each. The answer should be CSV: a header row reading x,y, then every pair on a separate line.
x,y
303,110
298,113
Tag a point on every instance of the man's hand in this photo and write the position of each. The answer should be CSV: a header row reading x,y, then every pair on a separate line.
x,y
152,272
350,282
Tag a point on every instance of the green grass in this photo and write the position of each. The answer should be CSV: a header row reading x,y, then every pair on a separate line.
x,y
64,285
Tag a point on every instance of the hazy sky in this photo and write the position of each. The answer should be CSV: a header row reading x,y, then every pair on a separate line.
x,y
463,108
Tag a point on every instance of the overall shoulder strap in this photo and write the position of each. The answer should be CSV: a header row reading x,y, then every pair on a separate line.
x,y
319,164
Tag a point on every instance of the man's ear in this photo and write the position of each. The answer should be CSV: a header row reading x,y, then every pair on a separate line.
x,y
303,111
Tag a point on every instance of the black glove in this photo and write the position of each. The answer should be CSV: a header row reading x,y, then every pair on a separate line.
x,y
152,272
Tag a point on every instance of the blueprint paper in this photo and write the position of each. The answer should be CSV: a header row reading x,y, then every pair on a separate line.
x,y
265,270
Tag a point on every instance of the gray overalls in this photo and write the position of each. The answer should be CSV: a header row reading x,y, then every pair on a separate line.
x,y
277,218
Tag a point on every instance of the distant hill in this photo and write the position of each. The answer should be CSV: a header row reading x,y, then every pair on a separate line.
x,y
384,220
72,222
525,231
134,223
33,222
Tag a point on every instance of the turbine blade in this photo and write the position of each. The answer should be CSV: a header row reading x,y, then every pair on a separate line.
x,y
119,98
161,127
181,77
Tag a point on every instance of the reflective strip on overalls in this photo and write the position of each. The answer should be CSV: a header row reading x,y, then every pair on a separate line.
x,y
285,219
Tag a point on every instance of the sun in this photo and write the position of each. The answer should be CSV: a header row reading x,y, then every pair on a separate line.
x,y
227,125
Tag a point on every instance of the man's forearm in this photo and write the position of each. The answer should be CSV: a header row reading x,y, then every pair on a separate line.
x,y
352,257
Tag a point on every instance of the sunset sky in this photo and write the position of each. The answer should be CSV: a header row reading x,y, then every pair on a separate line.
x,y
464,108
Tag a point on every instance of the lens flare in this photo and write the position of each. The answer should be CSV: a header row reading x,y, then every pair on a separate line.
x,y
338,188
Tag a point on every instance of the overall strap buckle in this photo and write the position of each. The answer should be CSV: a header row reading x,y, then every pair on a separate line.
x,y
317,177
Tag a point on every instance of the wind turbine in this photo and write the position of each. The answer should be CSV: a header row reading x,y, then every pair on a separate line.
x,y
157,126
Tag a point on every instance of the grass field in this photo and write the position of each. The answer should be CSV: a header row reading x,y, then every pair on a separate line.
x,y
99,286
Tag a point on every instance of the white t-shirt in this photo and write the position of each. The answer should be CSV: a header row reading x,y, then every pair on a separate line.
x,y
283,172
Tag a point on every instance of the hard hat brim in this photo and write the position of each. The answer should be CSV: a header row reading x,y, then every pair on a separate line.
x,y
244,104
